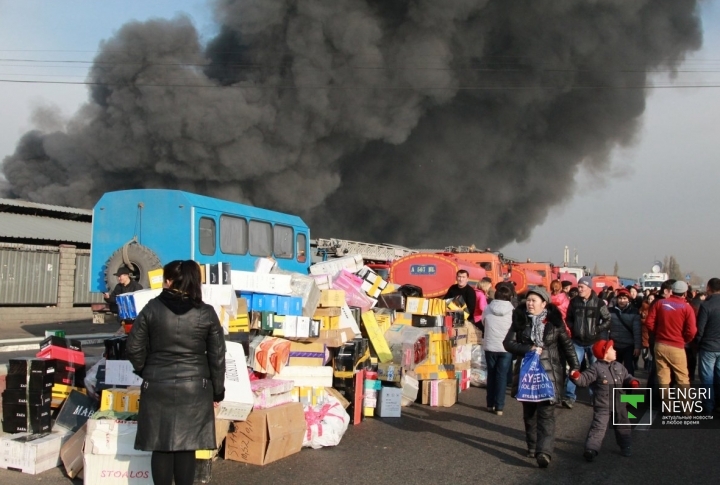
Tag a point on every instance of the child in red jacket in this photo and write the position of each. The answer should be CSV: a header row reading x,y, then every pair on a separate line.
x,y
603,376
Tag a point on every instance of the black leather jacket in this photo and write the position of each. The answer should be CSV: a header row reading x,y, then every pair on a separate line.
x,y
587,319
555,340
164,346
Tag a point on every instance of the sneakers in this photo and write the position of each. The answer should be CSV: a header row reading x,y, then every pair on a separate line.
x,y
590,455
491,409
498,412
567,403
543,460
627,451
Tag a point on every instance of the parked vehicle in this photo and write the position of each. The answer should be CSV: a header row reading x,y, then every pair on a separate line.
x,y
147,228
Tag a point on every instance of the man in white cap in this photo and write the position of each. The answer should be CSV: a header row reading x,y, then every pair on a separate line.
x,y
672,321
587,318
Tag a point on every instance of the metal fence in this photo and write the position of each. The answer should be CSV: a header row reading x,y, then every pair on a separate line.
x,y
29,276
83,295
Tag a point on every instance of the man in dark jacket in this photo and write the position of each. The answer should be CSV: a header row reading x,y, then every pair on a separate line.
x,y
125,285
587,317
708,340
625,330
463,289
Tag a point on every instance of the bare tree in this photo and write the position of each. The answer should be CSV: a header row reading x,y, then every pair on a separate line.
x,y
595,269
616,268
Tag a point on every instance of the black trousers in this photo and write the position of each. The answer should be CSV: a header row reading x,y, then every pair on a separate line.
x,y
169,465
539,420
626,358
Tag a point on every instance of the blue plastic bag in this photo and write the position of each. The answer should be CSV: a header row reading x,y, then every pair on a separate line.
x,y
534,385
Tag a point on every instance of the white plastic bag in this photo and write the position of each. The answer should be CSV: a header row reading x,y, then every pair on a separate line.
x,y
478,368
325,424
91,378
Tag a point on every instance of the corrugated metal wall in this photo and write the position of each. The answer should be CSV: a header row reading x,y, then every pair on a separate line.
x,y
82,293
29,277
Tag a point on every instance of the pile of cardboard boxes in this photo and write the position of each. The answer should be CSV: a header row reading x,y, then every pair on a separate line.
x,y
296,344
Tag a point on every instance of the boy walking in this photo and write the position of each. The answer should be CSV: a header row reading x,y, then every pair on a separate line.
x,y
603,376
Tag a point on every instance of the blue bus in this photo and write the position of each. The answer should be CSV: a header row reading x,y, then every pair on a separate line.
x,y
151,227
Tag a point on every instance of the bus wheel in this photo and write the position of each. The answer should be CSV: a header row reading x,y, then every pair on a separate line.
x,y
142,259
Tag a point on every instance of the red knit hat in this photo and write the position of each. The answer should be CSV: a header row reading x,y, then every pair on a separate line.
x,y
601,347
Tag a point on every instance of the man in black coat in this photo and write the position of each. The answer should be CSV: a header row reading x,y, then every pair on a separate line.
x,y
461,288
587,318
125,285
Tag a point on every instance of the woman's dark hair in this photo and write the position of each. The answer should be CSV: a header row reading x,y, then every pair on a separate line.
x,y
503,293
185,277
573,292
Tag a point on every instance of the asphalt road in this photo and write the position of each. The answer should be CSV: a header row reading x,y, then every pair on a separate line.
x,y
466,445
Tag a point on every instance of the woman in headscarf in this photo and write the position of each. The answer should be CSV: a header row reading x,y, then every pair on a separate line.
x,y
538,327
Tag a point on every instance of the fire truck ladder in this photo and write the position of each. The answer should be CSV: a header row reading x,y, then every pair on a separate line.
x,y
370,252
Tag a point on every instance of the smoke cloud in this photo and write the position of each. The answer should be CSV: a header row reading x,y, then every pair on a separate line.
x,y
421,122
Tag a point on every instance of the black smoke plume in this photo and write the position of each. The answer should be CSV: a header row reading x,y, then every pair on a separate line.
x,y
420,122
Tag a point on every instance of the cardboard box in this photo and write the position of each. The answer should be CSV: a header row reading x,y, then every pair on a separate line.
x,y
268,355
30,453
439,392
351,262
389,372
332,298
389,402
117,469
111,437
71,453
309,353
273,284
25,418
267,435
239,399
376,336
76,410
428,321
269,393
156,280
307,376
416,306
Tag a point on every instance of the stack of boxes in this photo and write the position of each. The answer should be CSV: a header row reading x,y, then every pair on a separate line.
x,y
69,372
27,396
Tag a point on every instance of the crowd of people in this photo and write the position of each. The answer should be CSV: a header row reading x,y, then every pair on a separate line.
x,y
674,329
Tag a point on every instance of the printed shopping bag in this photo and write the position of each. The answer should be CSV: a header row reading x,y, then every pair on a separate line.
x,y
535,385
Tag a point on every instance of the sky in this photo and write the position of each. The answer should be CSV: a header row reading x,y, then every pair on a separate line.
x,y
656,200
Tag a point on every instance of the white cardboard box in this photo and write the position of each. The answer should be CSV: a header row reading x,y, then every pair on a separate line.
x,y
274,284
351,262
117,469
239,398
142,297
35,456
111,437
310,376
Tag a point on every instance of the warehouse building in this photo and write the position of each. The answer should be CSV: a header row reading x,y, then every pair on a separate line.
x,y
44,263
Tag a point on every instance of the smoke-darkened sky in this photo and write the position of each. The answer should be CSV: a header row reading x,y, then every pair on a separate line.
x,y
480,122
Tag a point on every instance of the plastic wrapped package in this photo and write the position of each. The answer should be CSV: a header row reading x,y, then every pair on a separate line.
x,y
91,378
409,345
478,368
354,294
325,424
305,287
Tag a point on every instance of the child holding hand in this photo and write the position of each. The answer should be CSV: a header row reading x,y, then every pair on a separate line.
x,y
603,376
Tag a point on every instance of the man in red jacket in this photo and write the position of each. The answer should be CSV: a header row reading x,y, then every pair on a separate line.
x,y
672,320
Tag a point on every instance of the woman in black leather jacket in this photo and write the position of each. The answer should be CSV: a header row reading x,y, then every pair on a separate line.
x,y
538,327
177,346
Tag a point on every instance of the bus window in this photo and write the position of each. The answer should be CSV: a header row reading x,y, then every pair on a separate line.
x,y
233,235
261,236
207,236
301,245
283,242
